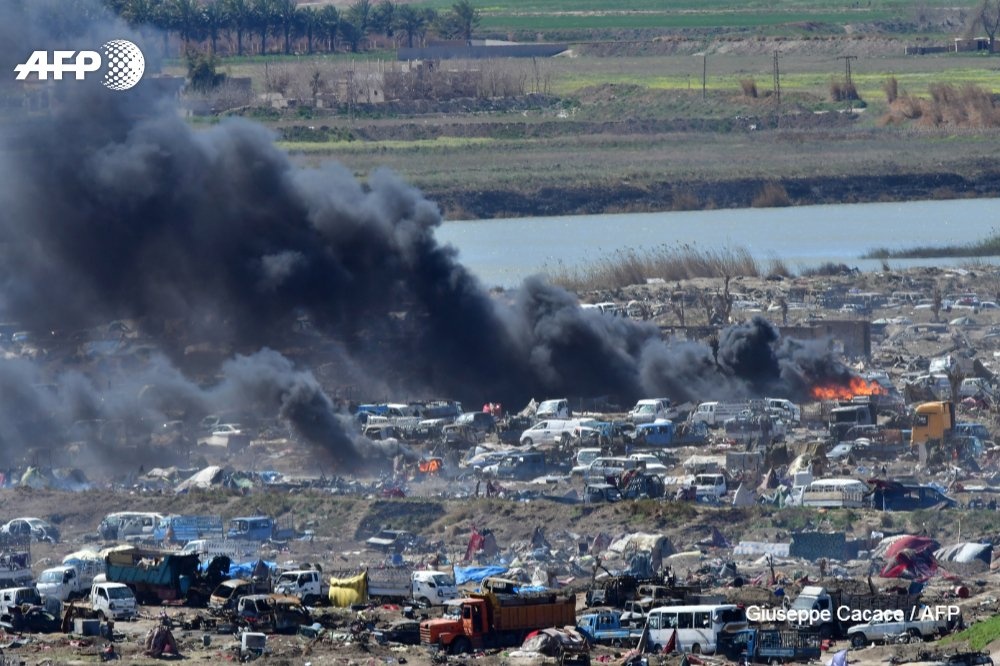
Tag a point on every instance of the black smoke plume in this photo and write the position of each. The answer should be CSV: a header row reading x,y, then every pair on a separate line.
x,y
115,208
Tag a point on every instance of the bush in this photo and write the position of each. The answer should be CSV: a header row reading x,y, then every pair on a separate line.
x,y
749,87
771,195
891,88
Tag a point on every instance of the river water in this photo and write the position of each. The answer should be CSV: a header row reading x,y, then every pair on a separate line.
x,y
503,252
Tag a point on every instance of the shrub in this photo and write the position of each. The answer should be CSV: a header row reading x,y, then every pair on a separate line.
x,y
891,88
771,195
749,87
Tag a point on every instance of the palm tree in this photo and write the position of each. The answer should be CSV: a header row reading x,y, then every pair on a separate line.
x,y
329,25
308,21
239,16
383,17
284,16
351,33
360,16
464,19
413,22
213,19
263,19
185,15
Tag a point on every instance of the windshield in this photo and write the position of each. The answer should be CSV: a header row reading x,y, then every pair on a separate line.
x,y
443,579
645,409
453,611
50,577
120,593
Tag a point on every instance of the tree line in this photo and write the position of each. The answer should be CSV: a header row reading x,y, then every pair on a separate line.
x,y
247,27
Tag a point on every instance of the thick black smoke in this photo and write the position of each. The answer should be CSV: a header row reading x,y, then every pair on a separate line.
x,y
114,207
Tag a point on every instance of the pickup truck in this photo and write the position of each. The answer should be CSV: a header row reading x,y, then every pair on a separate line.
x,y
768,646
605,627
884,632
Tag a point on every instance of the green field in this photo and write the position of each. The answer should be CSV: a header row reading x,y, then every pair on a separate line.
x,y
778,17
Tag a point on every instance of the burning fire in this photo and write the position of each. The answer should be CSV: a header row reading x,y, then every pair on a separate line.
x,y
856,386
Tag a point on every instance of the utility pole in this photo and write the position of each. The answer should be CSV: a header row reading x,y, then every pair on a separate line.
x,y
704,74
849,90
777,80
847,67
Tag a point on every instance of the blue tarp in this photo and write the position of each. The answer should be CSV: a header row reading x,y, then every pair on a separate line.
x,y
476,574
241,569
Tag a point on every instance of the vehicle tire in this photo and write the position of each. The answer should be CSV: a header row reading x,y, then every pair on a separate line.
x,y
309,600
104,616
775,661
526,442
425,602
858,641
461,646
916,636
695,649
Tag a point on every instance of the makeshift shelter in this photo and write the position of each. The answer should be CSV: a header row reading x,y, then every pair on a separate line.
x,y
743,496
911,557
206,478
966,553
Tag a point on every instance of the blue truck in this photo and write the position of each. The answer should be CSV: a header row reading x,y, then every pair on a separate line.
x,y
768,646
258,528
605,627
155,576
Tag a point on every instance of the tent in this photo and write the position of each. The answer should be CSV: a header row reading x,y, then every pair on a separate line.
x,y
910,557
965,553
743,496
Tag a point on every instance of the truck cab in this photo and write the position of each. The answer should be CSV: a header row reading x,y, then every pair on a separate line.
x,y
63,583
306,585
113,600
710,485
251,528
18,596
649,410
433,587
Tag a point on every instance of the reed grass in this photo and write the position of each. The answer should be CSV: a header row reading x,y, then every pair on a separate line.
x,y
987,247
668,263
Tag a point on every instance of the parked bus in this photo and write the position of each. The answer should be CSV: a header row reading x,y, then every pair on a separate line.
x,y
697,627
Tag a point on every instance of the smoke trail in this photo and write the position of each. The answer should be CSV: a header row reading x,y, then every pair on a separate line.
x,y
116,208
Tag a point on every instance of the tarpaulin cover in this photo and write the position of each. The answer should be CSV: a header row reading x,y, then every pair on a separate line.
x,y
912,558
346,592
244,569
965,552
476,574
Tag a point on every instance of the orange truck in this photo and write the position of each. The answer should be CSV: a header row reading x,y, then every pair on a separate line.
x,y
494,620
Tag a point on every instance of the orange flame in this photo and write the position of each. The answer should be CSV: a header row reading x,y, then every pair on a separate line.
x,y
856,386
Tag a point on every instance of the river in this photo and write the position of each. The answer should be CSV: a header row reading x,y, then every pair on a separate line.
x,y
503,252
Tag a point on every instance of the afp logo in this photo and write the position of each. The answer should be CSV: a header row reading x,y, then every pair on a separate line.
x,y
124,68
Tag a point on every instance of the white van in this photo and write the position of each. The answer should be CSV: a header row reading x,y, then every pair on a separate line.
x,y
696,628
549,431
554,409
831,494
125,525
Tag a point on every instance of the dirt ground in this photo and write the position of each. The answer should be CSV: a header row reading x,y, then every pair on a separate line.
x,y
444,510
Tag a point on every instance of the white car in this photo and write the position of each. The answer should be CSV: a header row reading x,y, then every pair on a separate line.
x,y
653,464
220,436
840,451
34,528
